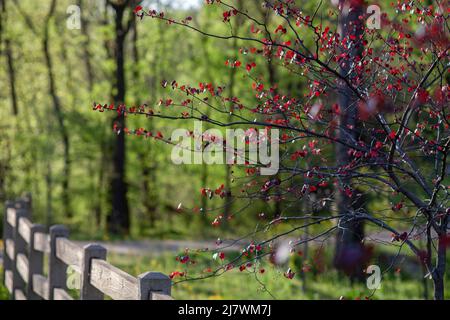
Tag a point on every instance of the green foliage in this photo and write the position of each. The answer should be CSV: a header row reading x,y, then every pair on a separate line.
x,y
31,157
4,294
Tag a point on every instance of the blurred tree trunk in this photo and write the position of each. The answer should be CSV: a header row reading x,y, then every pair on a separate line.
x,y
105,144
439,271
4,143
151,170
351,233
58,111
424,282
119,218
2,21
228,167
147,190
306,207
98,207
98,181
272,72
204,200
5,166
145,155
9,57
49,201
86,44
231,92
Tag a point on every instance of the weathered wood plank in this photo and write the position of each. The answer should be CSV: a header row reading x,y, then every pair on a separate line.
x,y
35,261
112,281
24,229
10,248
25,244
19,295
153,282
22,266
57,269
160,296
61,294
11,216
9,280
40,286
87,290
42,242
7,235
20,247
69,252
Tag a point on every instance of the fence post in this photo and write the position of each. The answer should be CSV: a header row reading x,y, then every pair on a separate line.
x,y
88,291
35,261
56,269
150,282
7,234
20,247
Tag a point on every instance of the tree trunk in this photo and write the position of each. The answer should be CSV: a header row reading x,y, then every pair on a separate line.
x,y
231,91
439,272
98,207
9,60
272,73
2,20
204,175
424,282
306,206
49,187
119,218
278,205
348,245
147,170
86,45
231,85
58,113
147,192
5,166
204,200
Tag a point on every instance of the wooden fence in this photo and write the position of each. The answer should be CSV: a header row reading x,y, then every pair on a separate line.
x,y
27,245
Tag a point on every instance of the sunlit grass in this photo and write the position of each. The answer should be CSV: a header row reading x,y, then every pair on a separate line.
x,y
272,284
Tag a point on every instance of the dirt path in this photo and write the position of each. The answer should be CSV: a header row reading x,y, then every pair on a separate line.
x,y
156,247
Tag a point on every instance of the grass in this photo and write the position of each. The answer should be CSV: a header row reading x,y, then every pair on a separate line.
x,y
273,284
4,294
404,283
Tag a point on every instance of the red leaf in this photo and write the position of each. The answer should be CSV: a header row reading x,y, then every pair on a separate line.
x,y
393,134
422,95
280,29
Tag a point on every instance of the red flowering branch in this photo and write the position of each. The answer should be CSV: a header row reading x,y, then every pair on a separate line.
x,y
390,129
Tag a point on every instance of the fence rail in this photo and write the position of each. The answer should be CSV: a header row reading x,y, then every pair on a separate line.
x,y
25,245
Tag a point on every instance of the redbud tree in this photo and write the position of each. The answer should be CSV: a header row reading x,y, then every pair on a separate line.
x,y
373,123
